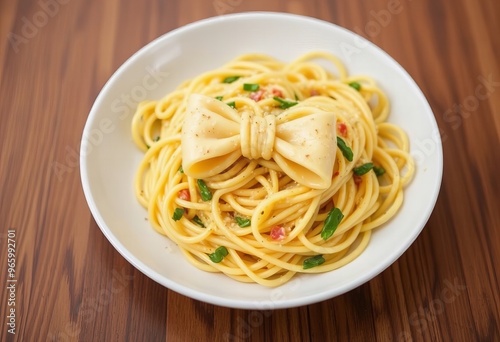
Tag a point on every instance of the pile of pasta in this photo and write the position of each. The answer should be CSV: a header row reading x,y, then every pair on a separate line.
x,y
233,174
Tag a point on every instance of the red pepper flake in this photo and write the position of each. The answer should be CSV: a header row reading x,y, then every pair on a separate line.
x,y
342,129
278,233
335,174
314,92
357,179
277,92
257,95
184,195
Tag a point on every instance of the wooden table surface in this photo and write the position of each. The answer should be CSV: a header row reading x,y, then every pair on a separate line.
x,y
55,56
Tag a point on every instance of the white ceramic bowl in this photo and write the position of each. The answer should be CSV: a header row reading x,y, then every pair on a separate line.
x,y
109,158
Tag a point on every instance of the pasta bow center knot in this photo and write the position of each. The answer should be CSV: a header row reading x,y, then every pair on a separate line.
x,y
257,136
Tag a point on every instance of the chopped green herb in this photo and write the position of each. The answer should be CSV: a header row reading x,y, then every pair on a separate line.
x,y
148,146
284,104
242,222
361,170
346,150
379,171
219,98
313,261
331,223
355,85
231,104
250,87
178,212
198,221
219,254
230,79
156,139
205,192
181,170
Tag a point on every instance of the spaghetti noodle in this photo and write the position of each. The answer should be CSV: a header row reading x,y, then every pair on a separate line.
x,y
262,169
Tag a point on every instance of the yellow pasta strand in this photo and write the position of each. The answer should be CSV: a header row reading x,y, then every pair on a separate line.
x,y
284,220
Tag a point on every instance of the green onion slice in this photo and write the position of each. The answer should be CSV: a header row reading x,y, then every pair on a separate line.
x,y
230,79
243,222
379,171
219,254
331,223
198,221
362,169
178,212
346,150
355,85
250,87
284,104
205,192
313,262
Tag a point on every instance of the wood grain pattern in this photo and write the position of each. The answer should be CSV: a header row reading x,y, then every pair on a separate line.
x,y
55,56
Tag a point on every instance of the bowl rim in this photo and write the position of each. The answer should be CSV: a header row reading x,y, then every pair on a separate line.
x,y
212,299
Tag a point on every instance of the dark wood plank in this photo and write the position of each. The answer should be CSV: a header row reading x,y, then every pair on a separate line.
x,y
56,55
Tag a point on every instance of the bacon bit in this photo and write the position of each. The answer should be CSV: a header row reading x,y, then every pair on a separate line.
x,y
357,179
184,195
277,92
342,128
314,92
257,95
278,233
